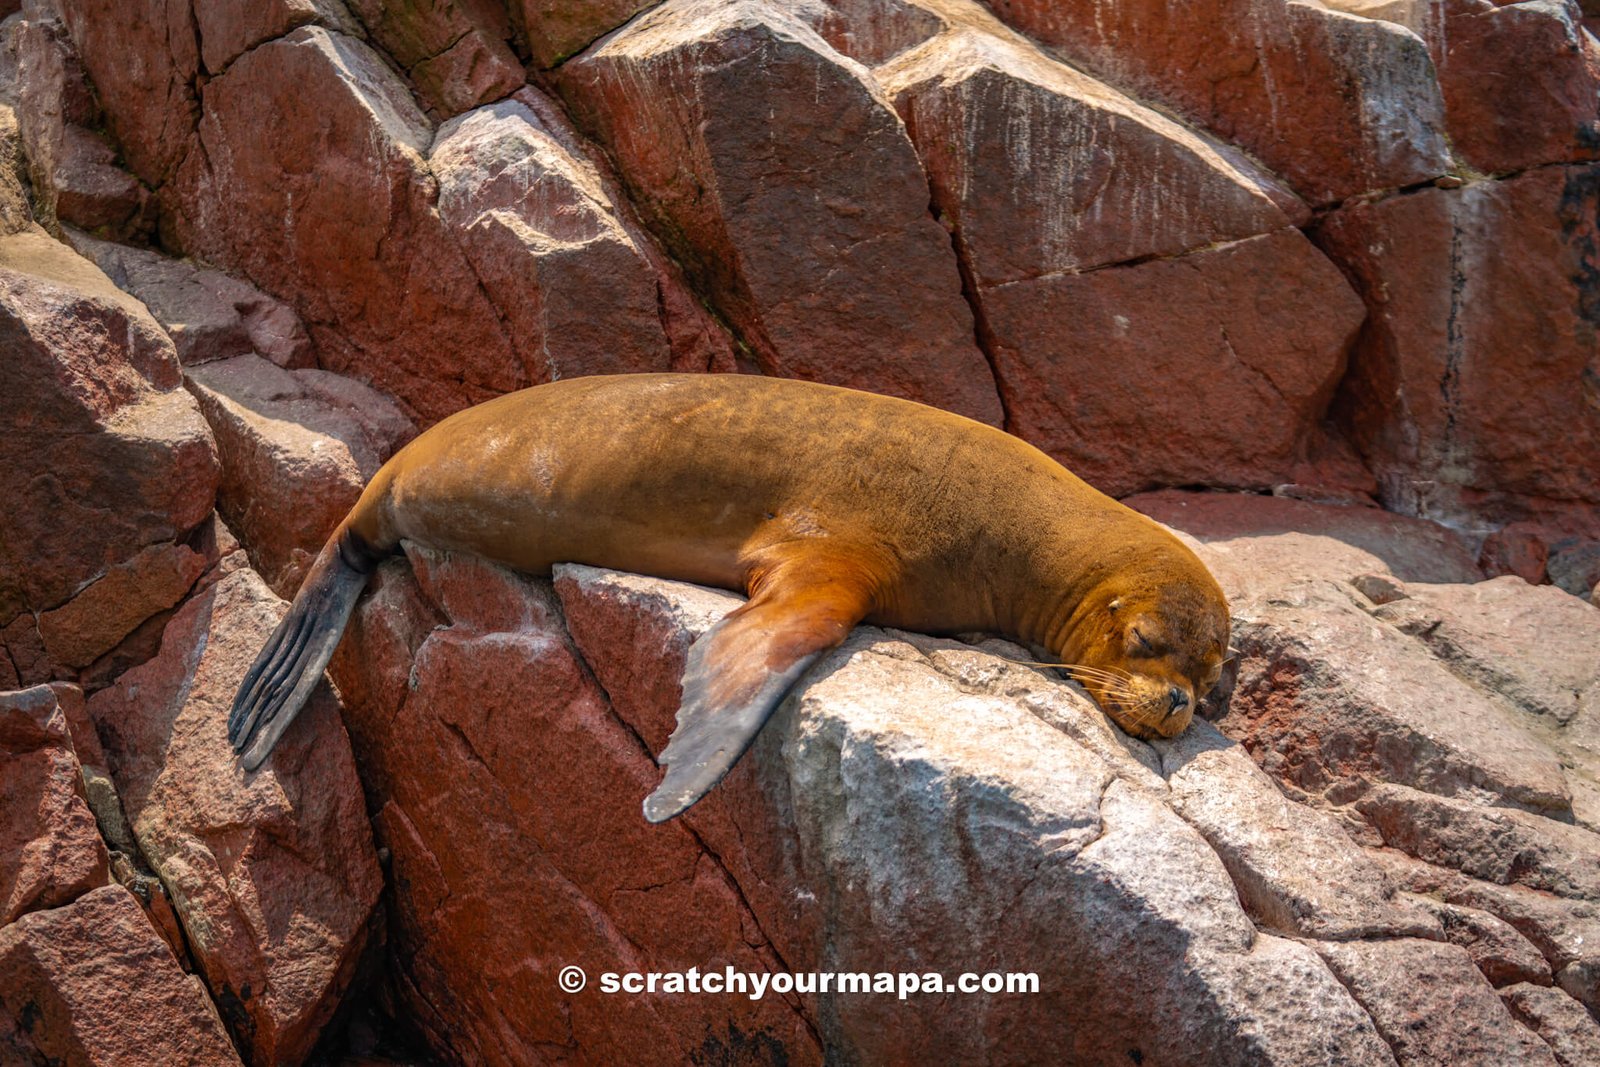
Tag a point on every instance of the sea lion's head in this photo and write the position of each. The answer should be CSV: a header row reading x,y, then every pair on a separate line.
x,y
1150,646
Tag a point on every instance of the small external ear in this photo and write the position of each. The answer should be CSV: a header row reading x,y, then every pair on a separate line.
x,y
1115,605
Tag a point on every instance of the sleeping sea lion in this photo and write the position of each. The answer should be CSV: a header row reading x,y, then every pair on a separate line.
x,y
827,506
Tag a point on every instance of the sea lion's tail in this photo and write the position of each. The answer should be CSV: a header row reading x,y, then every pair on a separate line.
x,y
290,663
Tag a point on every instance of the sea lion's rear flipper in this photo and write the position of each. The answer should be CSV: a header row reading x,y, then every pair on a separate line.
x,y
290,663
739,671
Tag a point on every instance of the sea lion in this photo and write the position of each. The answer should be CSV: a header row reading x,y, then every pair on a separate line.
x,y
827,506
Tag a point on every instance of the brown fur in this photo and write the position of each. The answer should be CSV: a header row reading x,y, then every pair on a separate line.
x,y
828,506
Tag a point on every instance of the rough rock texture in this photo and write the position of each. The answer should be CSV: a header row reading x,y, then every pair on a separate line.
x,y
1472,392
1572,1034
794,198
71,165
1336,103
1197,319
101,441
93,983
850,840
50,852
254,197
209,315
545,240
1519,80
272,873
455,54
297,447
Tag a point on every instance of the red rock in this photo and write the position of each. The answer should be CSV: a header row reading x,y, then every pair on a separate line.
x,y
545,238
93,983
272,873
1431,1005
1466,393
1571,1032
1520,81
1039,169
50,851
16,213
152,108
1075,355
776,172
455,53
1336,104
364,259
207,314
500,716
557,29
228,30
294,462
99,441
72,169
113,605
1516,548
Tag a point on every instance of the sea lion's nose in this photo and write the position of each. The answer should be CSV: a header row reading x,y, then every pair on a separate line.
x,y
1177,698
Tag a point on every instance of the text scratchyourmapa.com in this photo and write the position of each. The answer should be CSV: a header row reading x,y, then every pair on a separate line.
x,y
755,985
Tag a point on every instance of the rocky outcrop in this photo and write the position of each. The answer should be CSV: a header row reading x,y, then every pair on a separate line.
x,y
101,441
1343,253
1233,892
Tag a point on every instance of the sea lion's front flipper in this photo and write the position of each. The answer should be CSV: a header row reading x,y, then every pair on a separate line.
x,y
804,603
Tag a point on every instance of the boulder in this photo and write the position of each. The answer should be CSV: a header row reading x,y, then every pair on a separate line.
x,y
272,873
50,851
454,53
1533,647
1075,355
1039,169
1571,1032
72,168
465,669
297,448
152,104
93,983
363,257
1336,103
16,211
556,30
545,239
99,441
1330,700
1520,80
891,818
1296,868
1494,844
774,169
208,314
1501,954
1431,1005
1467,392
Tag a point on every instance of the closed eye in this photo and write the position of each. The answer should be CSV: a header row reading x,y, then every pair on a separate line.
x,y
1144,645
